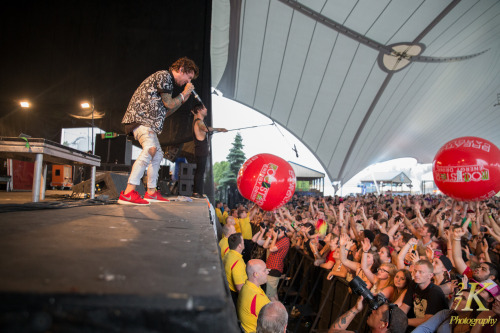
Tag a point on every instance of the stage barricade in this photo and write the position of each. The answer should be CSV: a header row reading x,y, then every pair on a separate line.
x,y
313,301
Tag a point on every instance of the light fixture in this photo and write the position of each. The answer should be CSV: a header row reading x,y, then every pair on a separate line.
x,y
87,105
25,104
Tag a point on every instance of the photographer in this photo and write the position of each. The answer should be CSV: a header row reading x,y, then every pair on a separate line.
x,y
386,318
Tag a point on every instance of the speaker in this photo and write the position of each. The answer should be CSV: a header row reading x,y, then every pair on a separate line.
x,y
116,150
164,173
187,171
107,183
185,187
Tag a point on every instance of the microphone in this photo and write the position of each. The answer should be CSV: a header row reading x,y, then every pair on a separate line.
x,y
196,96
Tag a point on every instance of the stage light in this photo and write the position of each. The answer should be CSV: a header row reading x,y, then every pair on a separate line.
x,y
85,105
25,104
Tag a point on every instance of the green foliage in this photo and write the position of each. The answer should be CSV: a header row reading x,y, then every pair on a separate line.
x,y
235,159
220,169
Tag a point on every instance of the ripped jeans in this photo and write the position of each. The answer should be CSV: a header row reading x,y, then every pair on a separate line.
x,y
148,139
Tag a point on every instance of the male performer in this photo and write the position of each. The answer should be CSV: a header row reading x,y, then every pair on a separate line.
x,y
151,103
200,130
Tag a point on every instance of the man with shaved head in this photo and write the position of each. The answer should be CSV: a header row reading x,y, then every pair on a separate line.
x,y
252,298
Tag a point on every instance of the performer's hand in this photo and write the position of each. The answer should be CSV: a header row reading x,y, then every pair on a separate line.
x,y
188,89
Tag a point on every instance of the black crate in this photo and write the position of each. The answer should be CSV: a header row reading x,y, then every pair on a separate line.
x,y
186,171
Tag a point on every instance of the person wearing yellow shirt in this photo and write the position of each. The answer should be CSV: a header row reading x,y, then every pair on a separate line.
x,y
218,212
234,215
221,212
227,231
224,217
234,266
246,230
252,298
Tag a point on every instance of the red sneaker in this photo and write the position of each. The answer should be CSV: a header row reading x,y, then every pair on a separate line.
x,y
132,198
155,197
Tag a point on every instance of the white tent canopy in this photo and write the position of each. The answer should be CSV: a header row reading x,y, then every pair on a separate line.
x,y
362,82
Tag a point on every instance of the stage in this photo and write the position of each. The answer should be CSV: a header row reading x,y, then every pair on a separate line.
x,y
107,267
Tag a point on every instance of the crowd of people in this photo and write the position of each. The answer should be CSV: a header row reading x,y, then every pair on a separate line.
x,y
433,260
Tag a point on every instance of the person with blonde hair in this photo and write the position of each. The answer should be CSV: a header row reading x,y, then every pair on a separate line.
x,y
383,280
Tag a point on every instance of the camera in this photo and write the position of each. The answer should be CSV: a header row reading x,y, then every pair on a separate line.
x,y
358,286
280,228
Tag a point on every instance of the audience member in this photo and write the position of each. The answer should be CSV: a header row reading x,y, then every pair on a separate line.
x,y
252,298
227,230
278,246
412,249
423,298
273,318
234,265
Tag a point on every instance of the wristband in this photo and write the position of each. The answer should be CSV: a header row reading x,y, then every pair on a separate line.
x,y
457,239
182,96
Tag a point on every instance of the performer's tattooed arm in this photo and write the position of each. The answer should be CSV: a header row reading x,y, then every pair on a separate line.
x,y
172,104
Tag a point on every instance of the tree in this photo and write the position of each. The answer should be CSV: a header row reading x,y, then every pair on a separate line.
x,y
235,158
220,169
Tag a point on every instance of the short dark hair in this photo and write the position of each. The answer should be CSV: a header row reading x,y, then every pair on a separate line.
x,y
234,240
310,225
383,239
187,64
197,107
431,229
399,320
493,269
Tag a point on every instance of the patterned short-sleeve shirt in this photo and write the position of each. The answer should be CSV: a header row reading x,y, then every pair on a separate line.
x,y
146,107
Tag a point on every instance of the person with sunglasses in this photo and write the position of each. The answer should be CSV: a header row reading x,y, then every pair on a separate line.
x,y
386,318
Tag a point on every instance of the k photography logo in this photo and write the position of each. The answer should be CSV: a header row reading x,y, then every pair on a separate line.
x,y
473,296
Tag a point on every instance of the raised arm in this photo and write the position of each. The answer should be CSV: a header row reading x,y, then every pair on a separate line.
x,y
457,250
364,265
172,104
344,242
404,251
410,226
341,324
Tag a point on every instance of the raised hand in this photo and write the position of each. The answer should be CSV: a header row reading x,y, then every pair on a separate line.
x,y
458,233
344,238
366,244
413,241
429,252
484,245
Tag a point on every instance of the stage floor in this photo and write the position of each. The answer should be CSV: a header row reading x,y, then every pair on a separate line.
x,y
160,262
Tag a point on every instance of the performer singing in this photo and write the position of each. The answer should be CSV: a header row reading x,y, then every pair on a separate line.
x,y
151,103
200,130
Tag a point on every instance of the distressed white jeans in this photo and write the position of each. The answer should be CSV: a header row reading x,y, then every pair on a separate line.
x,y
148,139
